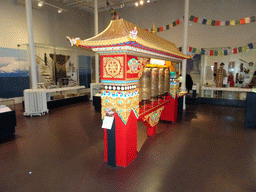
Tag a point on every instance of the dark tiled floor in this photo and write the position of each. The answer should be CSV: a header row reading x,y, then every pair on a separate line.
x,y
207,150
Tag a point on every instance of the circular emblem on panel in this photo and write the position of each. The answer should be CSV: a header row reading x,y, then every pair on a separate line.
x,y
113,67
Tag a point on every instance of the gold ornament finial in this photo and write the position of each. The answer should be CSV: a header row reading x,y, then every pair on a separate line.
x,y
153,30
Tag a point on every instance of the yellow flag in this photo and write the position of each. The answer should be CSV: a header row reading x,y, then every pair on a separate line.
x,y
232,22
209,22
220,53
170,26
245,48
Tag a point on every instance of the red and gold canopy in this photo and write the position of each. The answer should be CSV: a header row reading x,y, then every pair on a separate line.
x,y
123,36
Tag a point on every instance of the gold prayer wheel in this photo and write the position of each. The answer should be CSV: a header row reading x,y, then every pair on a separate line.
x,y
146,84
161,82
154,83
166,80
139,89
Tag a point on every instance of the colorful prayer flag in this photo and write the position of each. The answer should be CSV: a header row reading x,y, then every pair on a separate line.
x,y
252,19
167,27
198,51
217,23
230,51
158,29
235,50
195,19
202,51
190,49
178,22
242,21
247,20
222,23
161,28
240,49
200,20
227,23
216,53
250,46
191,18
174,23
204,21
194,50
213,22
232,22
220,52
211,52
245,47
209,22
237,22
171,26
225,52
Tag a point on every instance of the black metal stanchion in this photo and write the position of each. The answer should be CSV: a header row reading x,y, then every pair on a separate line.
x,y
111,138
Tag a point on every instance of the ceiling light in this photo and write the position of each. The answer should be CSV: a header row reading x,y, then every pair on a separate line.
x,y
60,10
136,4
141,2
148,1
40,3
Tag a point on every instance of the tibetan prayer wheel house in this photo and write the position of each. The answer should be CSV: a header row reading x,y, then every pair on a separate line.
x,y
125,50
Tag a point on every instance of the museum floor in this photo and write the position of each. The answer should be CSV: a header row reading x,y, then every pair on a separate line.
x,y
207,150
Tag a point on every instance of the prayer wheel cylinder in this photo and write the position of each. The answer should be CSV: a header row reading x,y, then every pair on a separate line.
x,y
140,89
154,82
161,82
146,84
166,80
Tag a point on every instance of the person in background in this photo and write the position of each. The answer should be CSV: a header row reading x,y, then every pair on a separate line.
x,y
189,82
221,73
253,82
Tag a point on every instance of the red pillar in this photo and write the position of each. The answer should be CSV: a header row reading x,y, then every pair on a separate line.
x,y
126,140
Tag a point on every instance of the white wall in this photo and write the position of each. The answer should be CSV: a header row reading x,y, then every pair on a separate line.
x,y
164,12
49,26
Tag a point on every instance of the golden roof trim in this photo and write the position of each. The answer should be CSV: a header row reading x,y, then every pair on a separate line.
x,y
118,31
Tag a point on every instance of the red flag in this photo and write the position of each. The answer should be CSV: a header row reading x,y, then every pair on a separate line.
x,y
146,29
235,50
177,22
217,23
195,19
242,21
190,49
211,53
161,28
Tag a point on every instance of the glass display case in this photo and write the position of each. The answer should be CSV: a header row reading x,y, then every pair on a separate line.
x,y
7,118
57,97
61,66
66,92
223,79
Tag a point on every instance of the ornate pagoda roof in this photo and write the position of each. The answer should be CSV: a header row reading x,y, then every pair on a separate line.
x,y
123,33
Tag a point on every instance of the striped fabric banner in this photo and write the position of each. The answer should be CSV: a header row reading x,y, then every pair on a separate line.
x,y
203,21
220,52
214,22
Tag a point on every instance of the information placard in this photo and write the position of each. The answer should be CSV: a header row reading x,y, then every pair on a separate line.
x,y
107,122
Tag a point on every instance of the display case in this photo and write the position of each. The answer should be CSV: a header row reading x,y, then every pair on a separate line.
x,y
61,66
57,97
7,118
